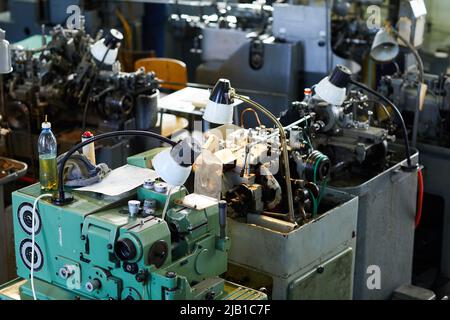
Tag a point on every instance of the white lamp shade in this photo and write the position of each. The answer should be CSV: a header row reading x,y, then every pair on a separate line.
x,y
384,47
330,93
218,113
5,54
98,51
169,170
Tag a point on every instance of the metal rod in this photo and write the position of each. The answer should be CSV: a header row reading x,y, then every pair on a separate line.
x,y
276,132
287,174
223,218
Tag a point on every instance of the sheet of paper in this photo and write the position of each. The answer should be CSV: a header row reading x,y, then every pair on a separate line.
x,y
183,100
121,180
187,100
198,201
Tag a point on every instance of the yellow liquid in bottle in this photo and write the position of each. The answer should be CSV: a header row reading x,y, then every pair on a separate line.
x,y
48,173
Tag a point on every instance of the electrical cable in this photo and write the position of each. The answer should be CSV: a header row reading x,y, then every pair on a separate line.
x,y
33,216
102,136
166,204
306,136
398,114
315,205
249,110
316,201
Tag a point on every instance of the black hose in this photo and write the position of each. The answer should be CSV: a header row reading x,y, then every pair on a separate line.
x,y
398,114
61,197
419,86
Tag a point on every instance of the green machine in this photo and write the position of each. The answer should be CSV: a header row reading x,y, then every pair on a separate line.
x,y
97,248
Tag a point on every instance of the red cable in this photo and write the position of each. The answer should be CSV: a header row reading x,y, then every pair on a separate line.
x,y
419,197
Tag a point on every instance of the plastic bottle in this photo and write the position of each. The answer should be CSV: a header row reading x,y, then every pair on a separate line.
x,y
307,93
89,150
47,149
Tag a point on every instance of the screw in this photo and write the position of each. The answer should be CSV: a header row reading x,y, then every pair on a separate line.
x,y
320,269
171,274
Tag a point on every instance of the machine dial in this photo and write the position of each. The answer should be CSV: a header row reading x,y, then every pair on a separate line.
x,y
25,214
25,254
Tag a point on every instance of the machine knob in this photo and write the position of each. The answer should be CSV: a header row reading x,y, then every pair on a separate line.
x,y
65,272
149,184
93,285
133,208
125,249
161,187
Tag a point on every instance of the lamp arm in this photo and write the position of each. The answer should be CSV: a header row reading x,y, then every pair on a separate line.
x,y
398,114
419,86
414,52
61,197
287,174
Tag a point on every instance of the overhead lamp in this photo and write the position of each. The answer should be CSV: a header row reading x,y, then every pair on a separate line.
x,y
173,165
332,89
5,66
219,109
5,54
342,76
384,47
106,49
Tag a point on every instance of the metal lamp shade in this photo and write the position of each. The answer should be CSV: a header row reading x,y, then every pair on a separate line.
x,y
5,54
219,109
384,47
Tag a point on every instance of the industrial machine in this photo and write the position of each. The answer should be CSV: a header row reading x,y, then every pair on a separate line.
x,y
295,260
164,245
433,143
365,162
76,81
333,145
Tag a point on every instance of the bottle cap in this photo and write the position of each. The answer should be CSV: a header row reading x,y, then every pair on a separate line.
x,y
307,91
46,125
87,135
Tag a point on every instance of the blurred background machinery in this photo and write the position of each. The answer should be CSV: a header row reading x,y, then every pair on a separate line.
x,y
64,77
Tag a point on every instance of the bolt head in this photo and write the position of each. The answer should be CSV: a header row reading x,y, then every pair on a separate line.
x,y
171,274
